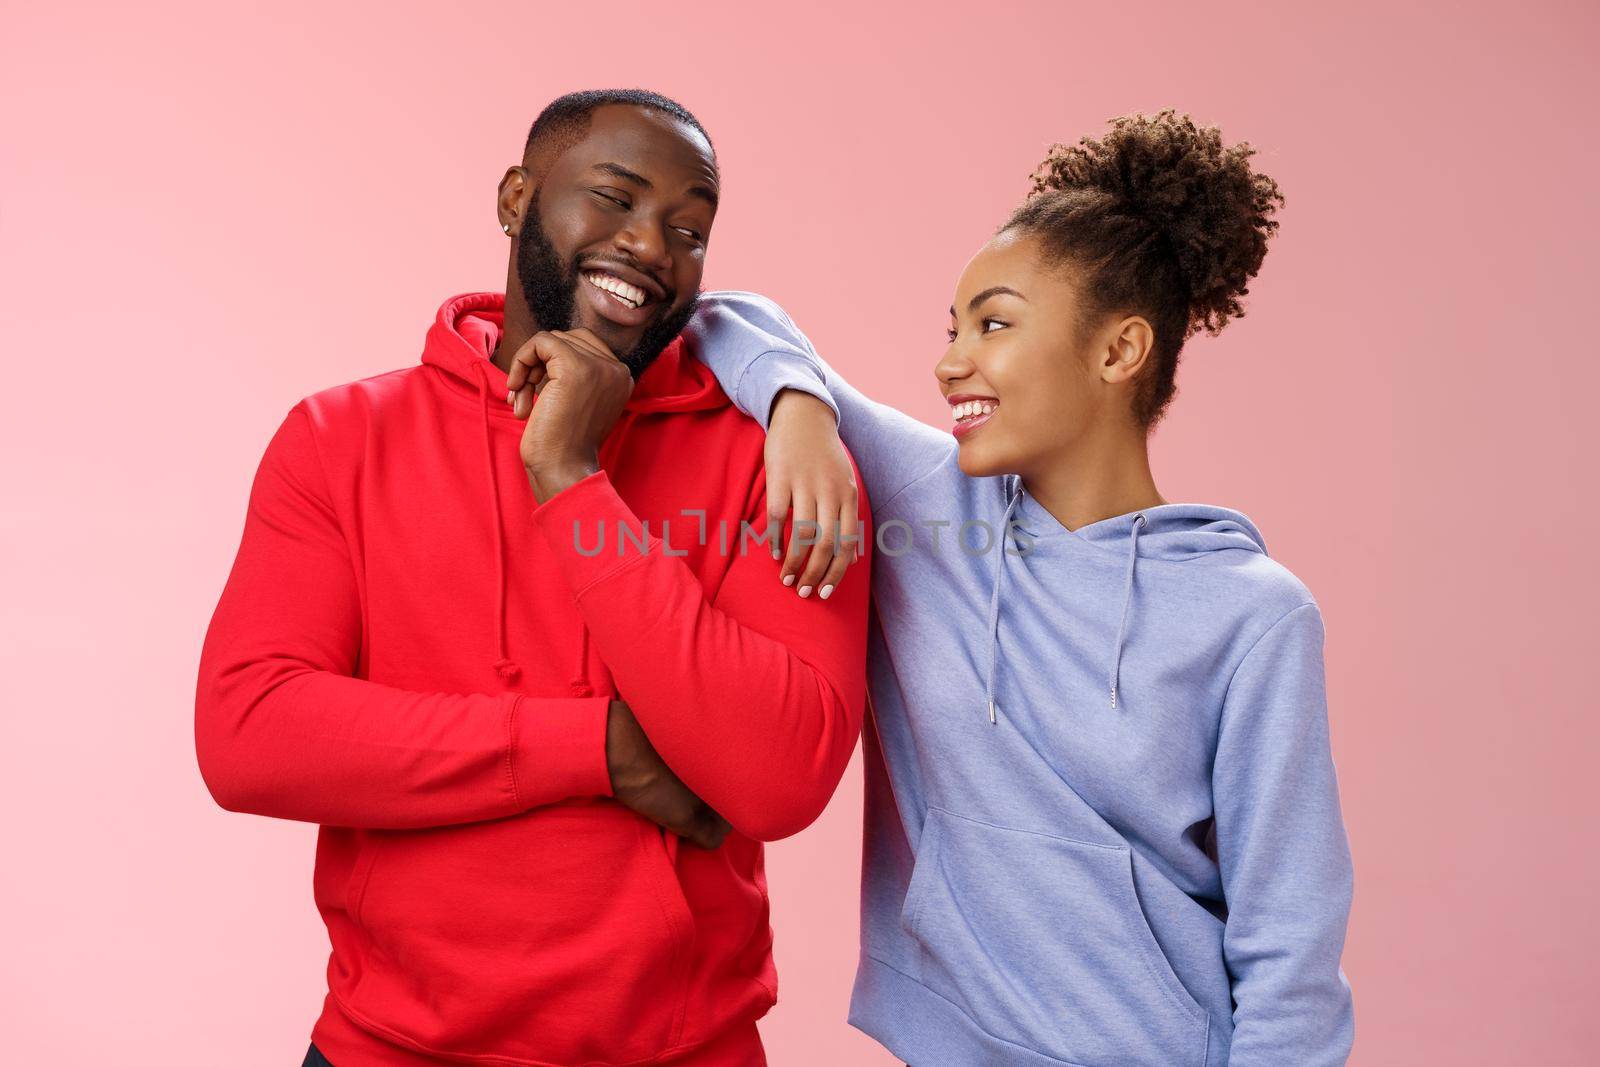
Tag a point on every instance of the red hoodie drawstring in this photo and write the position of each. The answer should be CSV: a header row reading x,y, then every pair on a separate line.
x,y
581,686
462,339
614,444
503,665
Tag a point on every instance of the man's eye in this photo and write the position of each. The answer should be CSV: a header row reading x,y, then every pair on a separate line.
x,y
614,199
692,235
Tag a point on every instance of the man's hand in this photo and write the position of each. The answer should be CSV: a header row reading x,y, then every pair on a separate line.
x,y
582,388
642,781
809,471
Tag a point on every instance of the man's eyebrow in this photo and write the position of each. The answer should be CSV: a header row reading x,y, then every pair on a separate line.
x,y
617,170
993,290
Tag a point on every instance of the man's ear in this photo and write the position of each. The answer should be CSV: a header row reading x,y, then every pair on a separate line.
x,y
516,189
1127,349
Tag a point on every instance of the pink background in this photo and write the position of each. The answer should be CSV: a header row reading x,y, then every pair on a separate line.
x,y
207,215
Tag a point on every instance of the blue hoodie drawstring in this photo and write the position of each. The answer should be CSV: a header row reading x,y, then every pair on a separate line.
x,y
994,597
1127,605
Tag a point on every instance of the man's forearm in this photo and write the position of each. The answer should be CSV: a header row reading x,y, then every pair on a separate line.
x,y
295,743
758,730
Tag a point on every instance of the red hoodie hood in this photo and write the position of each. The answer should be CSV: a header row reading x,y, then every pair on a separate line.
x,y
464,334
459,345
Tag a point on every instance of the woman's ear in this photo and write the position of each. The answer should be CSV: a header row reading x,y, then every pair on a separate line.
x,y
1127,347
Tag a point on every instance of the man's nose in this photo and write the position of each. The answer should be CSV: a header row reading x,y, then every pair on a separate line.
x,y
646,243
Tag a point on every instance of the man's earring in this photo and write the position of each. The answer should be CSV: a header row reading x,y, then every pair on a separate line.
x,y
506,226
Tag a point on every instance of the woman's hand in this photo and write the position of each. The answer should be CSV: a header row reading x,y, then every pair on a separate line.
x,y
809,472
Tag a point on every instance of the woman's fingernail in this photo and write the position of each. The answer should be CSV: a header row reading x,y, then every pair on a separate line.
x,y
788,579
511,397
805,590
825,591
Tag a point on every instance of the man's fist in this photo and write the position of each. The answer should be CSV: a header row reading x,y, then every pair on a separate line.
x,y
582,388
642,781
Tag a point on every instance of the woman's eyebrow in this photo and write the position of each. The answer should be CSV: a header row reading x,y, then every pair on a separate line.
x,y
993,290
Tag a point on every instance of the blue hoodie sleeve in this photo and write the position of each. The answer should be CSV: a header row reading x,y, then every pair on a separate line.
x,y
1283,853
756,352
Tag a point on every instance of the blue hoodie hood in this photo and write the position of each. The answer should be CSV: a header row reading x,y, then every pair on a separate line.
x,y
1166,532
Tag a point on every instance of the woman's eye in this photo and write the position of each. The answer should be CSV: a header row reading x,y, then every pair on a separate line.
x,y
988,323
951,333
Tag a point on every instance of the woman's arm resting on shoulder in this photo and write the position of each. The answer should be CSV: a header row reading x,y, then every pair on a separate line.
x,y
768,367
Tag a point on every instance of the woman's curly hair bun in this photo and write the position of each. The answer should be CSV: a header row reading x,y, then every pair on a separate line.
x,y
1162,220
1214,210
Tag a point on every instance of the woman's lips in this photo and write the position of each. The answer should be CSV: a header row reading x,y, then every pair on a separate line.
x,y
966,426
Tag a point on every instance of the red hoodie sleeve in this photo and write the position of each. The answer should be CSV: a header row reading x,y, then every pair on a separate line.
x,y
283,729
753,698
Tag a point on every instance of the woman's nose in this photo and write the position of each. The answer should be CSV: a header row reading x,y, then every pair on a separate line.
x,y
953,365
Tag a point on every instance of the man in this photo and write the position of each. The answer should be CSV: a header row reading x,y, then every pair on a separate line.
x,y
503,639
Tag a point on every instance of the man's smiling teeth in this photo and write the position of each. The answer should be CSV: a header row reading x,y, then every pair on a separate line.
x,y
631,295
971,409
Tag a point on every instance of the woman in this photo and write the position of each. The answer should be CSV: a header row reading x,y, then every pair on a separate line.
x,y
1103,824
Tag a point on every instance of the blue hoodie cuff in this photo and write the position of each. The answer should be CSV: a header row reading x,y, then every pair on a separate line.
x,y
769,374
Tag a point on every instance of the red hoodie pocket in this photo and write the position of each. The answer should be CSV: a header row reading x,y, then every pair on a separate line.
x,y
557,936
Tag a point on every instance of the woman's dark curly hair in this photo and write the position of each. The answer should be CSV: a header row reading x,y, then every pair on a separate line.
x,y
1162,221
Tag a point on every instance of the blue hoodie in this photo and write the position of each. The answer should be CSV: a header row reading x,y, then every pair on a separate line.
x,y
1102,821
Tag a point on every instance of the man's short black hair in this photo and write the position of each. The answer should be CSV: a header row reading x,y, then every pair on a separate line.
x,y
566,118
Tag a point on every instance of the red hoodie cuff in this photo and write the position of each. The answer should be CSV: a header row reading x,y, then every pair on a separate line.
x,y
586,524
558,749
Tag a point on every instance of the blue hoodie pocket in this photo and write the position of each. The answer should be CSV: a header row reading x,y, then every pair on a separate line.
x,y
1042,942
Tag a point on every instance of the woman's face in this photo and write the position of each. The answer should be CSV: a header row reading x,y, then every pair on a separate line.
x,y
1022,382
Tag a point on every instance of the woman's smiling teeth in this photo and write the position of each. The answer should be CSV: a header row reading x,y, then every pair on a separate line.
x,y
631,295
971,409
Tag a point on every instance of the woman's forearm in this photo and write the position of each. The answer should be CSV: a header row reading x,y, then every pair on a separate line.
x,y
756,351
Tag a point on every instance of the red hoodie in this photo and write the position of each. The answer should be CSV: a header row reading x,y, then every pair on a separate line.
x,y
414,653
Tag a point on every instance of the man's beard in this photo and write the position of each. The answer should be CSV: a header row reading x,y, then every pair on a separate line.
x,y
550,288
